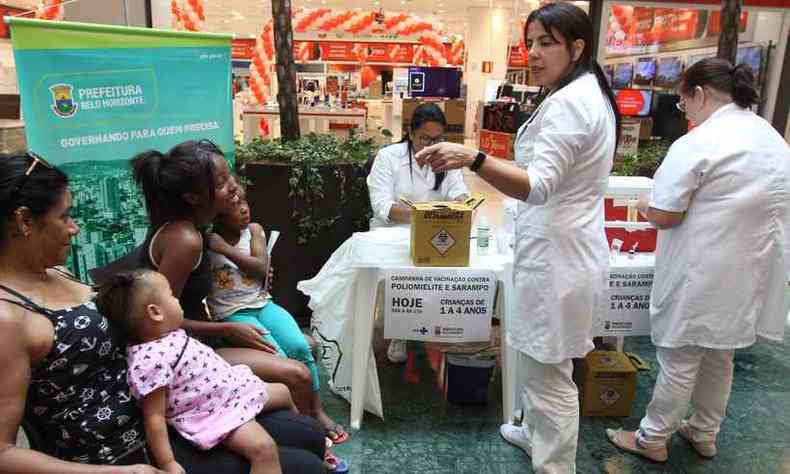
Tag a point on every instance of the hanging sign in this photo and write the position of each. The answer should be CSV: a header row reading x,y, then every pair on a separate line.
x,y
518,57
243,48
439,305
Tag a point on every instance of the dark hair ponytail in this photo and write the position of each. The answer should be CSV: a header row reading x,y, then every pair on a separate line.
x,y
164,179
424,113
40,190
573,23
744,92
720,75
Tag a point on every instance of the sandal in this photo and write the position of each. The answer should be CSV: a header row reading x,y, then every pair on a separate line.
x,y
334,464
627,441
337,434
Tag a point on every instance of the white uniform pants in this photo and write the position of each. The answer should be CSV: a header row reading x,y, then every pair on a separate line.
x,y
551,414
692,374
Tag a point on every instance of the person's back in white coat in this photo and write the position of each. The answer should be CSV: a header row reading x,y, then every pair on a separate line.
x,y
722,201
564,155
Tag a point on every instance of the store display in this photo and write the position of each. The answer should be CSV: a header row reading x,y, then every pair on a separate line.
x,y
645,71
751,56
608,71
501,117
623,73
434,82
634,102
669,70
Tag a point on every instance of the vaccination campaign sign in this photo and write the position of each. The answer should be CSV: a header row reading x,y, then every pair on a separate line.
x,y
625,310
93,96
439,305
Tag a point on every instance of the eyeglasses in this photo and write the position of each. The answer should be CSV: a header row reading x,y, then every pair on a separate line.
x,y
36,161
428,141
681,105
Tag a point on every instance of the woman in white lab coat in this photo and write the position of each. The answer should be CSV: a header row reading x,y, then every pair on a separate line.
x,y
564,155
395,174
721,200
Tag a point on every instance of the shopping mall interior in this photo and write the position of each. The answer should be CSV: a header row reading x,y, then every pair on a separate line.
x,y
362,68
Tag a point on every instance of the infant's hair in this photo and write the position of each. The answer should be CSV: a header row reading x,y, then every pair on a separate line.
x,y
116,299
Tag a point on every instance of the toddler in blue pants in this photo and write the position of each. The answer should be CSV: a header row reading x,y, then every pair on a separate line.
x,y
240,269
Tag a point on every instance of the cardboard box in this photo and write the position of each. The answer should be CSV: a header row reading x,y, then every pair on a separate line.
x,y
455,138
409,105
607,383
455,112
645,128
440,232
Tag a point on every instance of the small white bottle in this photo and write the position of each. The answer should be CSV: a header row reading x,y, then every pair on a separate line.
x,y
483,236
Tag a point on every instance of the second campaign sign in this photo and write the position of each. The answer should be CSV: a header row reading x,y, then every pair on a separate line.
x,y
439,305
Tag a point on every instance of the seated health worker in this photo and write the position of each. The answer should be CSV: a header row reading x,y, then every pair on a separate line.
x,y
395,174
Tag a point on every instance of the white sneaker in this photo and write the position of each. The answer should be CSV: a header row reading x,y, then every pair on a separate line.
x,y
517,436
706,449
396,352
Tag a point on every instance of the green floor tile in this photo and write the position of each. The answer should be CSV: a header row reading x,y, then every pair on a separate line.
x,y
424,434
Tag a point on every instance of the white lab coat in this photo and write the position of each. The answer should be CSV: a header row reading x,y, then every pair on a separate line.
x,y
391,179
720,275
561,256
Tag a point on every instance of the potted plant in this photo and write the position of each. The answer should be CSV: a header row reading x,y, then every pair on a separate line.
x,y
645,162
313,190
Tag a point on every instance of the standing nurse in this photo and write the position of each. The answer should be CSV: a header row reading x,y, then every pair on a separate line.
x,y
564,155
722,201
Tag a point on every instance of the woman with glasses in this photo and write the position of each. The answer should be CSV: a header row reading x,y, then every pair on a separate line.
x,y
564,155
721,202
396,175
64,370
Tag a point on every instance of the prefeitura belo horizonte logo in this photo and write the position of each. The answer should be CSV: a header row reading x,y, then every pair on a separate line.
x,y
63,101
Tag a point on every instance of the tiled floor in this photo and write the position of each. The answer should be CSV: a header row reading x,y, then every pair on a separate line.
x,y
424,434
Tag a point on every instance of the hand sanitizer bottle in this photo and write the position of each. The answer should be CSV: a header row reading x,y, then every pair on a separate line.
x,y
483,234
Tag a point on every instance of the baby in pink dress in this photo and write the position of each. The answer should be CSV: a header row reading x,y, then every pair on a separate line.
x,y
184,383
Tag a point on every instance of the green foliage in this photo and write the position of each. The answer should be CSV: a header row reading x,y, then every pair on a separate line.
x,y
645,162
307,157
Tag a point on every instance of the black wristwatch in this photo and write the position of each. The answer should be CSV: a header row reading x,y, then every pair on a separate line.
x,y
479,159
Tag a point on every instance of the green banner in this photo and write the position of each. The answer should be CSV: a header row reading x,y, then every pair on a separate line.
x,y
93,96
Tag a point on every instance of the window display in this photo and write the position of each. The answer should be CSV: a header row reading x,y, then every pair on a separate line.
x,y
608,71
634,102
751,56
623,72
669,70
435,82
645,71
